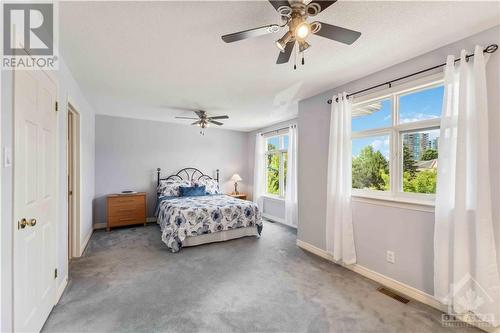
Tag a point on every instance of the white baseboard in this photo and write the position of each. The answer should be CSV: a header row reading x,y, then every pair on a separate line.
x,y
61,288
314,250
277,219
103,225
97,226
395,285
83,245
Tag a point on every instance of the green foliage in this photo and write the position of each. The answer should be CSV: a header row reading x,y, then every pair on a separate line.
x,y
370,170
423,182
273,174
386,179
270,147
429,154
408,161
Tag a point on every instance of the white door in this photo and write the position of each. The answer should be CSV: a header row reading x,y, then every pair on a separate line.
x,y
34,199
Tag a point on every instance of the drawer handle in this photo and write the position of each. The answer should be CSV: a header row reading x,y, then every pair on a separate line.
x,y
127,219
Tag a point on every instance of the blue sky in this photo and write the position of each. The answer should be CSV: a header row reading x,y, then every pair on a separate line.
x,y
425,104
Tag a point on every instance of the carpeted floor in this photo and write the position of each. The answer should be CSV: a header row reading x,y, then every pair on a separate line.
x,y
129,282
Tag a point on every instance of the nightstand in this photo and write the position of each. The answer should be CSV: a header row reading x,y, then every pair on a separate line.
x,y
241,196
126,209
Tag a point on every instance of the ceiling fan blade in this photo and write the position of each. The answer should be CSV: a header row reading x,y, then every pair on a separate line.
x,y
283,57
277,4
200,113
324,4
196,122
185,118
215,122
234,37
338,34
219,117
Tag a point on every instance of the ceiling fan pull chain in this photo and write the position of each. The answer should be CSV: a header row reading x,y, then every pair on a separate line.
x,y
303,63
295,59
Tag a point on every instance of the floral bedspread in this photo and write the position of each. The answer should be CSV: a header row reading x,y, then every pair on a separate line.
x,y
181,217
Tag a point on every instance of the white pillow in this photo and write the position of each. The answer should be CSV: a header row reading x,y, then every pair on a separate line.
x,y
170,187
211,185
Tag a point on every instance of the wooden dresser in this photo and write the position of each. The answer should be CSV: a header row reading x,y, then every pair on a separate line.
x,y
126,209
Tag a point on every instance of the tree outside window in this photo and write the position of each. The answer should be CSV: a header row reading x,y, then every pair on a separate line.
x,y
396,141
276,164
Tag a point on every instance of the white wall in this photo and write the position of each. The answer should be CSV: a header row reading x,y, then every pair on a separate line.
x,y
128,151
67,88
409,233
274,208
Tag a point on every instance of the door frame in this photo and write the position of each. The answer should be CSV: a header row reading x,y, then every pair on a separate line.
x,y
74,223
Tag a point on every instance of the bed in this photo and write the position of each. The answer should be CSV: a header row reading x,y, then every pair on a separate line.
x,y
190,220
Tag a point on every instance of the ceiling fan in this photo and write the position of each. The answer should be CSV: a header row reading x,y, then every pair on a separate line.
x,y
294,14
204,121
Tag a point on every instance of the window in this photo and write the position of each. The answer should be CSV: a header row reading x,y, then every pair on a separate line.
x,y
395,136
276,164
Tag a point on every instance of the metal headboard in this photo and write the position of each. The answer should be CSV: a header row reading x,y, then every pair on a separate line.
x,y
186,174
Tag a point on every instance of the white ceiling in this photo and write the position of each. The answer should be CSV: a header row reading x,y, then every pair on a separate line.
x,y
139,59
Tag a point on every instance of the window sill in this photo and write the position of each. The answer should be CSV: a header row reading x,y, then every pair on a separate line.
x,y
397,202
273,197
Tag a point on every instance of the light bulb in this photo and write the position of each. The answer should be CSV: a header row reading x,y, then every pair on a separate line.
x,y
302,30
281,43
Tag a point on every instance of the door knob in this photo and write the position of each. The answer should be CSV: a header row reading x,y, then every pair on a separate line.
x,y
22,224
32,222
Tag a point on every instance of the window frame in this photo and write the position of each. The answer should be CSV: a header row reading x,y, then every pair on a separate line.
x,y
281,151
395,132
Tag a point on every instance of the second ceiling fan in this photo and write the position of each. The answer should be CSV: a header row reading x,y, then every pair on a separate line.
x,y
294,14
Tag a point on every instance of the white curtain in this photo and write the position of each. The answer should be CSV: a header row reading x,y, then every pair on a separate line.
x,y
466,276
258,170
339,229
291,201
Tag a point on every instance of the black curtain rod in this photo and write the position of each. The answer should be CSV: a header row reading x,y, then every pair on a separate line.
x,y
489,49
279,129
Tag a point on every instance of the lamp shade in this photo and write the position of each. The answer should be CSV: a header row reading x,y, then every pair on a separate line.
x,y
236,178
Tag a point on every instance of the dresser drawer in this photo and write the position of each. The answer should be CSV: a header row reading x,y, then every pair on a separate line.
x,y
126,209
120,210
126,202
114,221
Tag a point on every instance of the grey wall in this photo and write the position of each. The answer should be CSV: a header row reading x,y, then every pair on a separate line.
x,y
377,228
273,208
128,151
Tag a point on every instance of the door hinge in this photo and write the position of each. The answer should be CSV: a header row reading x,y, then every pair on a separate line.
x,y
55,273
57,106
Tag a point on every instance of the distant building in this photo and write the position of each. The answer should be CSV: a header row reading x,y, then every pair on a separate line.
x,y
433,144
417,143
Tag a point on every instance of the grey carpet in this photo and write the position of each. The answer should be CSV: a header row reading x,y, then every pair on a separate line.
x,y
128,281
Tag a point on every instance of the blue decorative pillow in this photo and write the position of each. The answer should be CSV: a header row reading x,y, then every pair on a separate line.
x,y
192,191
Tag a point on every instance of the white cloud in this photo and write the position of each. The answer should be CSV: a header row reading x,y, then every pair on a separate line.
x,y
417,117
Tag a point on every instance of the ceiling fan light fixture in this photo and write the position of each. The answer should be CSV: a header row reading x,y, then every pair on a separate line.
x,y
302,30
281,43
303,45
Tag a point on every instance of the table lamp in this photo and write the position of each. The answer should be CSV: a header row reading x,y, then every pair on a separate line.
x,y
236,178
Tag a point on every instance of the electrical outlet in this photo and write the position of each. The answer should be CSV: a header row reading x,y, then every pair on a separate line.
x,y
390,257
